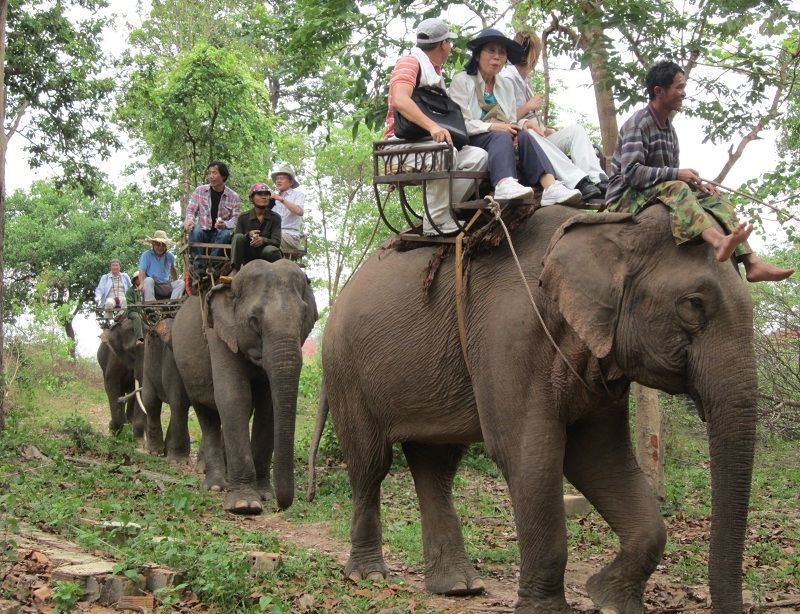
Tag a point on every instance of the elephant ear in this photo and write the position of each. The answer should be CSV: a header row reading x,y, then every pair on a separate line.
x,y
221,305
311,309
164,331
584,273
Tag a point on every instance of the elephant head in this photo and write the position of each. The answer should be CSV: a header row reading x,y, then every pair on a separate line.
x,y
121,340
265,317
670,317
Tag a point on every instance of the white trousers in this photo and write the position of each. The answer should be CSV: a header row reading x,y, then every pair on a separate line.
x,y
572,155
469,158
110,305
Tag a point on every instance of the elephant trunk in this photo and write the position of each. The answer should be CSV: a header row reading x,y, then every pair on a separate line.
x,y
283,371
729,400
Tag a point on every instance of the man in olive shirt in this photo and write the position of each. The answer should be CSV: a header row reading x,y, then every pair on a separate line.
x,y
258,232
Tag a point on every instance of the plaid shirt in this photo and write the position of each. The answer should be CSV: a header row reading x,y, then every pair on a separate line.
x,y
200,206
646,154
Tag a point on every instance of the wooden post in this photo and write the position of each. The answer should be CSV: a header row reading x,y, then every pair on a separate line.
x,y
650,437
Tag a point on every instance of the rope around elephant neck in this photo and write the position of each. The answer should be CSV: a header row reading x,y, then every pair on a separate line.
x,y
494,207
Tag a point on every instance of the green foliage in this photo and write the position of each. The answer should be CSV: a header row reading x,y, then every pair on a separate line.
x,y
55,78
60,241
66,595
205,106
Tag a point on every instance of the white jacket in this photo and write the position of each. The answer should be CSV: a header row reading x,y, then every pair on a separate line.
x,y
463,92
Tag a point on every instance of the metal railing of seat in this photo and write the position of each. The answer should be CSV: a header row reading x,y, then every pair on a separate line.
x,y
398,164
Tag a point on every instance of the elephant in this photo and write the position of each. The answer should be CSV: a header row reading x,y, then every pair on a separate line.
x,y
118,356
161,382
247,363
622,304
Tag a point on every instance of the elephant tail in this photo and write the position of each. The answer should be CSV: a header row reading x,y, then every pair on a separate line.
x,y
322,416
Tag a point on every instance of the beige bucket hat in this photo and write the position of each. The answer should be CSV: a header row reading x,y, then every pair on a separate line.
x,y
285,169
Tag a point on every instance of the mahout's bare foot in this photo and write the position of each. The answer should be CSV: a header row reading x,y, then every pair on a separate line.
x,y
727,244
758,270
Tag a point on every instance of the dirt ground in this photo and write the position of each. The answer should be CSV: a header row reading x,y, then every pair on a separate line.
x,y
663,595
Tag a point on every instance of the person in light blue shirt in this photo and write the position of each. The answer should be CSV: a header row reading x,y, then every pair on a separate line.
x,y
157,268
110,291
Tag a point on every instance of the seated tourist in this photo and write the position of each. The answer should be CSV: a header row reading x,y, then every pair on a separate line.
x,y
110,291
490,112
289,205
212,210
423,67
646,171
157,268
569,149
258,232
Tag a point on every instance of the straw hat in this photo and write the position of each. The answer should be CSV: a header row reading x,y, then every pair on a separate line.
x,y
159,236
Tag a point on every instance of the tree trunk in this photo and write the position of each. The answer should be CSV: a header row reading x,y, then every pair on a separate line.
x,y
70,330
650,438
3,147
592,42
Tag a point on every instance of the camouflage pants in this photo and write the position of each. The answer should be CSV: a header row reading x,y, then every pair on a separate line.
x,y
688,210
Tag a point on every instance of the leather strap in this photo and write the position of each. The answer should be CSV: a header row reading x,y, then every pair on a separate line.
x,y
460,289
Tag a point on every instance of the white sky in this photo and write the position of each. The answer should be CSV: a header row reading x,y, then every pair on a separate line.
x,y
575,98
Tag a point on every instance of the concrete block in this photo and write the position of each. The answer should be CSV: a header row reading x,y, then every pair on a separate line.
x,y
116,587
264,561
159,577
576,505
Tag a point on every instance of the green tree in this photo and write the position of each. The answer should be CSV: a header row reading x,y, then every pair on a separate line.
x,y
54,94
60,242
206,106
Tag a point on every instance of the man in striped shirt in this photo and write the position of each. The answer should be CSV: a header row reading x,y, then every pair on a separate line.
x,y
645,171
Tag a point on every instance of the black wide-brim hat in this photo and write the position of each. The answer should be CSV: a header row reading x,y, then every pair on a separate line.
x,y
490,35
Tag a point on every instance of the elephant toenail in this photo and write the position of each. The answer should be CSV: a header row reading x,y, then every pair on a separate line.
x,y
375,576
477,585
354,577
216,488
609,610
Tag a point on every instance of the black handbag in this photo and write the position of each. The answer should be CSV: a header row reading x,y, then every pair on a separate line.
x,y
435,103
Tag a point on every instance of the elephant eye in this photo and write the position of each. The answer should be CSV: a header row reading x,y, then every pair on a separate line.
x,y
253,323
692,312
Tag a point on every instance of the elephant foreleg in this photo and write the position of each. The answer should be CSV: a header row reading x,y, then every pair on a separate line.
x,y
212,447
155,432
599,461
448,571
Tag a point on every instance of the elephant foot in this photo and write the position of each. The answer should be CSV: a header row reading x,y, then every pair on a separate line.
x,y
178,458
373,570
243,501
214,481
614,594
455,581
200,465
264,489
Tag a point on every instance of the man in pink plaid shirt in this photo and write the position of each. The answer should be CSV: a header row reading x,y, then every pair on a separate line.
x,y
216,208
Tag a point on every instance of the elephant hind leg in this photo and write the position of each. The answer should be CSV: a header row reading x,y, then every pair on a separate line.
x,y
600,462
211,448
368,461
448,571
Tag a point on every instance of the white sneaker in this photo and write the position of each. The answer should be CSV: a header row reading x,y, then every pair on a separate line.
x,y
448,227
511,189
559,194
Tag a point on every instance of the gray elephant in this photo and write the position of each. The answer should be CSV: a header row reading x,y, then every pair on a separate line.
x,y
623,303
247,364
162,383
118,356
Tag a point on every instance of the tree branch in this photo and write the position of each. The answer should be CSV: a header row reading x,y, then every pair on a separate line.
x,y
735,154
17,119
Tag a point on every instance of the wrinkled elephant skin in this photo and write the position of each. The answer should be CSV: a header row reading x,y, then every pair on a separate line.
x,y
623,303
252,350
162,383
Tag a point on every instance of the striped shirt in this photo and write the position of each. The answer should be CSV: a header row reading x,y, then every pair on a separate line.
x,y
646,154
405,71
